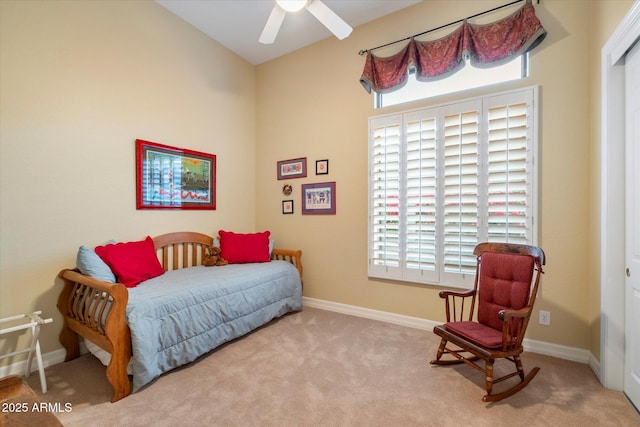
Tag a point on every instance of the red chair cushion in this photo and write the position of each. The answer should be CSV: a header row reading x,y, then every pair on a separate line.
x,y
476,332
504,283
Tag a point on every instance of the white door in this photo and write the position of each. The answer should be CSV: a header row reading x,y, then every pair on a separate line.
x,y
632,224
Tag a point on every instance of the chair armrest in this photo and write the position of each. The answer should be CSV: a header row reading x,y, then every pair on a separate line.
x,y
454,302
514,326
506,315
446,292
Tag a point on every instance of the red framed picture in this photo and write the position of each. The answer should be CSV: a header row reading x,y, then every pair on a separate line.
x,y
174,178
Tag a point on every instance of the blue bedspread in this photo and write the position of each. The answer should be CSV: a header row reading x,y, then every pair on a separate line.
x,y
183,314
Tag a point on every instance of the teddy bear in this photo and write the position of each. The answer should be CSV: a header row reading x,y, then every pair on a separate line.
x,y
212,257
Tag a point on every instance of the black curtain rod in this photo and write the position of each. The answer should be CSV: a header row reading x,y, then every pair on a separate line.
x,y
364,52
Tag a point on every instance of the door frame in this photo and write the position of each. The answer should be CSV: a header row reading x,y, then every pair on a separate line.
x,y
612,203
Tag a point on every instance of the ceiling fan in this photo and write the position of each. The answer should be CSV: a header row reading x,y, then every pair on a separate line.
x,y
317,8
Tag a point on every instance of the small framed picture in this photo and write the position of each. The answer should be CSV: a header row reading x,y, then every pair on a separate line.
x,y
287,207
292,168
319,198
322,167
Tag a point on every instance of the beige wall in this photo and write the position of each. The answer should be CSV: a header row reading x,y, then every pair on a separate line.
x,y
80,81
310,104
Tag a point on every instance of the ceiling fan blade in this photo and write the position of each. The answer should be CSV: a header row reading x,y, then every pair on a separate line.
x,y
329,19
272,26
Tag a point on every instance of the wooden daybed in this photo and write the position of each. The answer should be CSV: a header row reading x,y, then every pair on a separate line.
x,y
97,310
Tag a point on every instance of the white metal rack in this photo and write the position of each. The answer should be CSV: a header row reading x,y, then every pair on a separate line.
x,y
34,323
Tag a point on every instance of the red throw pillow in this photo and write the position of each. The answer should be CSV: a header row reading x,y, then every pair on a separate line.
x,y
239,248
131,262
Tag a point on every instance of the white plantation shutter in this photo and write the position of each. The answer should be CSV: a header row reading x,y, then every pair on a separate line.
x,y
420,196
509,171
384,195
460,170
444,179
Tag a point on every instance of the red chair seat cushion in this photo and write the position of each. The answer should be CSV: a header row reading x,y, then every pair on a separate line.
x,y
478,333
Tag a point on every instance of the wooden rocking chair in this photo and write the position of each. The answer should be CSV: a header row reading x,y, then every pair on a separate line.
x,y
506,284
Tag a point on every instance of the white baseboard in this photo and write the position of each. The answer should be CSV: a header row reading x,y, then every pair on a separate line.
x,y
594,364
396,319
540,347
48,359
19,368
556,350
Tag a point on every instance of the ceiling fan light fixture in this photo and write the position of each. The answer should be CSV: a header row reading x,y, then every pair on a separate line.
x,y
292,5
317,8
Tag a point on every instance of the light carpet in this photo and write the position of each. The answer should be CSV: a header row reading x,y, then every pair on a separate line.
x,y
320,368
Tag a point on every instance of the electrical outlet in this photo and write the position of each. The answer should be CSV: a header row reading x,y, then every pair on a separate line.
x,y
545,318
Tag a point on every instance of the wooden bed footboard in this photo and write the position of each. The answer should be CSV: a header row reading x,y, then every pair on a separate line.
x,y
292,256
96,310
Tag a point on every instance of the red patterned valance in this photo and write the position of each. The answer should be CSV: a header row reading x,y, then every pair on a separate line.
x,y
484,45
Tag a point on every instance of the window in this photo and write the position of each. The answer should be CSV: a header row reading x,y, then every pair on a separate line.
x,y
468,77
446,178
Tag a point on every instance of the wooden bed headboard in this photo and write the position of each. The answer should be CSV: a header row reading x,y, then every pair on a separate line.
x,y
181,249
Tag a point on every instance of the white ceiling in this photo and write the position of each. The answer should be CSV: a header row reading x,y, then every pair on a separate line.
x,y
237,24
